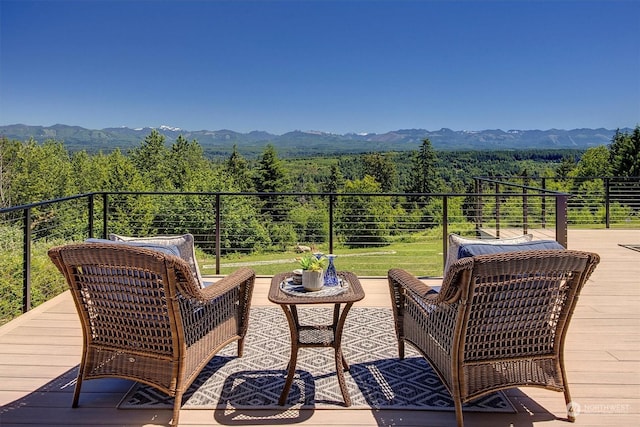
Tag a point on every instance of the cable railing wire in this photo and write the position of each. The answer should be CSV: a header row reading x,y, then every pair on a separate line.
x,y
370,232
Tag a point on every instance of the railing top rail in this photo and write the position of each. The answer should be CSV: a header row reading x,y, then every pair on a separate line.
x,y
543,193
512,184
225,193
285,193
44,202
637,178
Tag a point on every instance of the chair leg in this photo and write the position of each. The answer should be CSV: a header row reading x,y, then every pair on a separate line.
x,y
401,348
571,415
177,403
458,405
240,346
76,390
571,409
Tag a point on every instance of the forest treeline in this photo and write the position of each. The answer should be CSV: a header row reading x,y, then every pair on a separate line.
x,y
30,171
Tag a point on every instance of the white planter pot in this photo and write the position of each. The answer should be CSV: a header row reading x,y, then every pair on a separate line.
x,y
312,280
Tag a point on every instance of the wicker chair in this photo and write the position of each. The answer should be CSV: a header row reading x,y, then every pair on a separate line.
x,y
145,318
498,322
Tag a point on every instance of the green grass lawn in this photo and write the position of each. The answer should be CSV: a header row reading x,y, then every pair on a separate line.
x,y
422,258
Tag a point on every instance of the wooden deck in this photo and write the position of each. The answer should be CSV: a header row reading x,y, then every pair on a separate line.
x,y
602,357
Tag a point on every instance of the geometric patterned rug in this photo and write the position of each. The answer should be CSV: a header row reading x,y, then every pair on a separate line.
x,y
377,379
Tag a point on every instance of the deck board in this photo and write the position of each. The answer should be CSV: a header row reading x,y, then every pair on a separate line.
x,y
40,350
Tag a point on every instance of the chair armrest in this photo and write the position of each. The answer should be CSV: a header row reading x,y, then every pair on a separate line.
x,y
244,279
401,282
225,302
422,315
455,281
405,285
402,278
231,281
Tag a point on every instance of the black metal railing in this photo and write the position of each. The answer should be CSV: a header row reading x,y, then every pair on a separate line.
x,y
596,201
372,232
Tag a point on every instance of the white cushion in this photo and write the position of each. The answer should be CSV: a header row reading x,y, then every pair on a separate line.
x,y
184,243
455,241
165,249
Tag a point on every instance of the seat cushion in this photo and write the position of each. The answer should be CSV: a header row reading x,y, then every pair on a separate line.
x,y
184,243
474,249
455,241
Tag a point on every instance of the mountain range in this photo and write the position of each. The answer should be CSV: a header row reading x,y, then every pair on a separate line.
x,y
297,143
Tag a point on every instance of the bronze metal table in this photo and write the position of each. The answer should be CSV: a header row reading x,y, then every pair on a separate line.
x,y
316,335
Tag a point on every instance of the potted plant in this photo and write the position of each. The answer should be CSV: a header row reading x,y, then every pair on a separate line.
x,y
313,271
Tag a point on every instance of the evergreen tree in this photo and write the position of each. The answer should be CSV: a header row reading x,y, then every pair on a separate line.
x,y
424,177
565,167
271,177
41,172
122,174
624,153
87,176
129,214
187,164
8,153
150,158
382,169
335,182
238,168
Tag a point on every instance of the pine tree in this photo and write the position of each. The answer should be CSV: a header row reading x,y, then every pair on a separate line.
x,y
382,169
567,164
238,168
187,164
424,172
335,181
150,160
271,177
624,153
8,153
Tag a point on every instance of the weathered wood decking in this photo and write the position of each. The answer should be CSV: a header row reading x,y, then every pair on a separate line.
x,y
602,357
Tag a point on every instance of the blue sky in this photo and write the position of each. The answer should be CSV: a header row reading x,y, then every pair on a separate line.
x,y
334,66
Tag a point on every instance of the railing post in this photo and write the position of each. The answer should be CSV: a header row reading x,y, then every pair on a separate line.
x,y
543,207
525,210
218,238
496,188
607,203
26,262
90,213
105,215
561,219
445,229
331,202
478,190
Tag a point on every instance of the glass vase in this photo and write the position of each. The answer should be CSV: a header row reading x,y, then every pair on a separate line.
x,y
330,275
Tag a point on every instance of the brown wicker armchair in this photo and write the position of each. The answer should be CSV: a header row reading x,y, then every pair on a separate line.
x,y
145,317
498,322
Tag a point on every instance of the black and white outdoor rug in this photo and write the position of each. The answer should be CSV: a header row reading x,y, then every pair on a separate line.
x,y
377,379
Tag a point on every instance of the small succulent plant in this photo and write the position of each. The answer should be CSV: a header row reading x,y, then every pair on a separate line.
x,y
313,263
